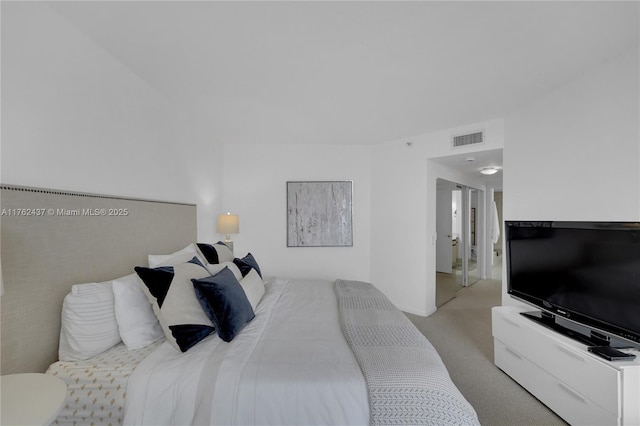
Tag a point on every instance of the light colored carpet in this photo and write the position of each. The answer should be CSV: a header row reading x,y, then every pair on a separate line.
x,y
447,285
461,332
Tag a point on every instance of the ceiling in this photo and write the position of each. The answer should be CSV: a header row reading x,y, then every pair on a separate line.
x,y
353,72
471,164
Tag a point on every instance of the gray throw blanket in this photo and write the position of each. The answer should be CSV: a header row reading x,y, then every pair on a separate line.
x,y
407,381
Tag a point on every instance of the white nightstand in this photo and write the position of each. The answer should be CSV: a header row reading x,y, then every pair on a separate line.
x,y
31,398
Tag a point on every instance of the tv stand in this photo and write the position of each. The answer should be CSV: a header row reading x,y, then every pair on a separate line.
x,y
581,387
549,320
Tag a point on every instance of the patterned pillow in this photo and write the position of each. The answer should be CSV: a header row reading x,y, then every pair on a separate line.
x,y
225,302
216,253
170,291
246,264
253,287
214,269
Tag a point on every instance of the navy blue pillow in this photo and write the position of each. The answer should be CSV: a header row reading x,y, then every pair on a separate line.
x,y
246,264
225,303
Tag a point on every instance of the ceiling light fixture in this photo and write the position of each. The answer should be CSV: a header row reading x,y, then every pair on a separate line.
x,y
488,170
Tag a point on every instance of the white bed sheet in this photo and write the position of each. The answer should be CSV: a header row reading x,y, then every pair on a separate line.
x,y
290,365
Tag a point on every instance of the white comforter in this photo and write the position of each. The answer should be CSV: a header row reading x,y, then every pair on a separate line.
x,y
290,365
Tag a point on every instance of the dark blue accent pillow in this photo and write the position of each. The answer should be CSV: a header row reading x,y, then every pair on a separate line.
x,y
225,302
246,264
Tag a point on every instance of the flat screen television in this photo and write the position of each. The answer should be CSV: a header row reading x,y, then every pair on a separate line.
x,y
585,272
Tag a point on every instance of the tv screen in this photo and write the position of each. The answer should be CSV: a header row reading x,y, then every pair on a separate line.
x,y
588,272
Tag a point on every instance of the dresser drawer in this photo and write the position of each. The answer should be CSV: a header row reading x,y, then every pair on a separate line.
x,y
575,407
568,361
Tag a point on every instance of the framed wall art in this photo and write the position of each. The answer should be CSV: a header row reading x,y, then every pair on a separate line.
x,y
320,214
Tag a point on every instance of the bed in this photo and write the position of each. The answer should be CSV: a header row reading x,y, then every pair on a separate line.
x,y
221,344
97,387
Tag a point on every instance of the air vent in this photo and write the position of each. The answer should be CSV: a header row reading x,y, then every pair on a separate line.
x,y
469,139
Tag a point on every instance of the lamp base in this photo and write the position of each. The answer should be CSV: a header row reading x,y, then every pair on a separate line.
x,y
229,244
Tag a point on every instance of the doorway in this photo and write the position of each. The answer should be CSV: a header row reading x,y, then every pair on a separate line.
x,y
459,239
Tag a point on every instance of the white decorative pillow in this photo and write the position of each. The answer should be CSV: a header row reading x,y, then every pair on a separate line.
x,y
170,290
180,256
137,323
88,322
215,268
253,287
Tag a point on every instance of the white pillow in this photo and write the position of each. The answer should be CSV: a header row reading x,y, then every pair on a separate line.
x,y
88,320
176,258
253,287
137,323
215,268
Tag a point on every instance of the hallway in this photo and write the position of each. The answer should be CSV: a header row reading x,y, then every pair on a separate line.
x,y
447,285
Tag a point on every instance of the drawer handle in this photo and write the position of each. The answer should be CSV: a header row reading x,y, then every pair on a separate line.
x,y
512,352
572,393
571,353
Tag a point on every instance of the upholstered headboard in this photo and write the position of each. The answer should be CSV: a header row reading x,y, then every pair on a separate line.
x,y
53,239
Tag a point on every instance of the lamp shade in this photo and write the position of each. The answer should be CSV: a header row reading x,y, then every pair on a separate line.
x,y
228,224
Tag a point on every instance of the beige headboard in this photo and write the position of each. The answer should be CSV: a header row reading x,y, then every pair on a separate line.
x,y
53,239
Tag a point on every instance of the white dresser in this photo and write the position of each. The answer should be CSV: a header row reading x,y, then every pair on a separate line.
x,y
579,386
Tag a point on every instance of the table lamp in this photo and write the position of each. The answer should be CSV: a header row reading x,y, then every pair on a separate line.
x,y
228,224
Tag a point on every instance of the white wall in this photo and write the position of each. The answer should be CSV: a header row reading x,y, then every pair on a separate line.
x,y
74,118
255,179
400,259
574,154
403,180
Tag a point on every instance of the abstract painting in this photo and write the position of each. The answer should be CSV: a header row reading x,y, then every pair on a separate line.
x,y
319,214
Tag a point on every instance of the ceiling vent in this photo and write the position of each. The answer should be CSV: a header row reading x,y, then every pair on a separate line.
x,y
468,139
